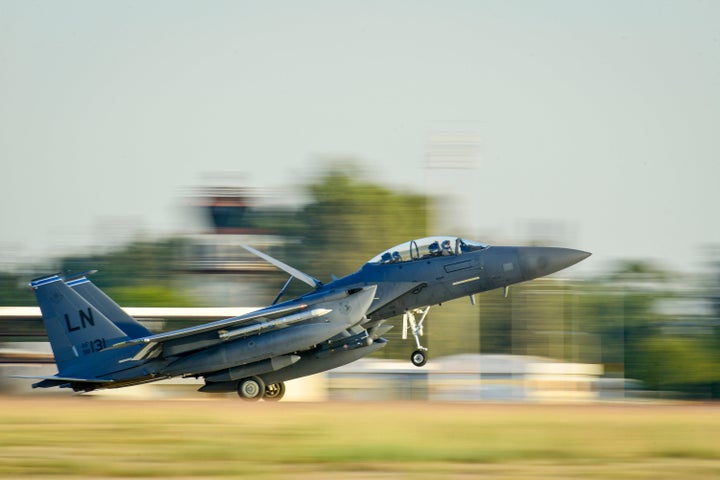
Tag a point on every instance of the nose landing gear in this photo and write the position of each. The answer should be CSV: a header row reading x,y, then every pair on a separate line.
x,y
419,356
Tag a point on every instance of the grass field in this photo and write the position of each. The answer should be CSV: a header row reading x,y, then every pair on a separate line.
x,y
83,437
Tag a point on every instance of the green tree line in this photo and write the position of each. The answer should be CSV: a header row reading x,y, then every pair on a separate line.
x,y
612,319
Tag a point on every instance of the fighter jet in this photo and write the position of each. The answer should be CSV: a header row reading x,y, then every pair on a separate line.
x,y
97,345
413,276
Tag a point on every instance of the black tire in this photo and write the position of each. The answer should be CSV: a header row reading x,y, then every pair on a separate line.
x,y
274,392
251,388
418,358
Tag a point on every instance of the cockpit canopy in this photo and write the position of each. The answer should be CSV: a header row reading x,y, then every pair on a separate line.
x,y
427,247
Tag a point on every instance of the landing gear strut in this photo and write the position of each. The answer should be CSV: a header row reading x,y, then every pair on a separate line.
x,y
418,357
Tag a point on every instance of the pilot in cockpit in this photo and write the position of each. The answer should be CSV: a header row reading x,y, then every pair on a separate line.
x,y
434,249
446,248
396,257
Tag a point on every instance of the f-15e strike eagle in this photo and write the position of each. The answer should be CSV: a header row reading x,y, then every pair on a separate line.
x,y
97,345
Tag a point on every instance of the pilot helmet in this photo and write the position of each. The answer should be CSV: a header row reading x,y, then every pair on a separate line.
x,y
434,247
386,257
396,256
446,244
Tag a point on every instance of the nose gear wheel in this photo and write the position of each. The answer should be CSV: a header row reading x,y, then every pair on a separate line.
x,y
418,358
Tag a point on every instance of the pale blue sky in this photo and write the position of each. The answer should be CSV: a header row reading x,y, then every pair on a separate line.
x,y
599,117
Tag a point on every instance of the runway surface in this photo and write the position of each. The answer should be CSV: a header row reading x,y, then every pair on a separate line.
x,y
93,437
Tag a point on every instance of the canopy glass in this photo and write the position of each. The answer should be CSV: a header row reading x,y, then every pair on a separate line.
x,y
427,247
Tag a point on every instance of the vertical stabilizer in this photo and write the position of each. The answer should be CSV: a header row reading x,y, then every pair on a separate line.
x,y
107,306
77,330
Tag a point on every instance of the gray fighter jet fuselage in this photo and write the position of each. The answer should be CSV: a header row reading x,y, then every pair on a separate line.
x,y
435,270
435,279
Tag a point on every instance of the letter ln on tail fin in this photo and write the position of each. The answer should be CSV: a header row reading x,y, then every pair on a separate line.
x,y
76,329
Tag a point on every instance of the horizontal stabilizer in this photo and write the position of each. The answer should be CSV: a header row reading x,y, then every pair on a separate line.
x,y
54,381
64,379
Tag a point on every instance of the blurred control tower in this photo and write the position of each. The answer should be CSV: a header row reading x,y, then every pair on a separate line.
x,y
221,272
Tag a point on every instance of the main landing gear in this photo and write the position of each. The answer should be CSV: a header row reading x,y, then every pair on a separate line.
x,y
274,392
419,356
253,389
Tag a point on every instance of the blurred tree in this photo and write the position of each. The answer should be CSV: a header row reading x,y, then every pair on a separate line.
x,y
150,296
619,310
496,321
538,318
142,273
14,291
683,363
644,343
349,220
638,270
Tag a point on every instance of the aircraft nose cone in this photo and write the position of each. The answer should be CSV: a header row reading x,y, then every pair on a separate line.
x,y
540,261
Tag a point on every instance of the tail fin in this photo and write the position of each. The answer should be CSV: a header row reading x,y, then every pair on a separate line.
x,y
96,297
76,329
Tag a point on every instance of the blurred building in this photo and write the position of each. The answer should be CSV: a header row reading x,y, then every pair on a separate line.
x,y
457,378
467,377
218,270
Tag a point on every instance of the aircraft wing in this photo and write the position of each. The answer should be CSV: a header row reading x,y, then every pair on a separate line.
x,y
152,341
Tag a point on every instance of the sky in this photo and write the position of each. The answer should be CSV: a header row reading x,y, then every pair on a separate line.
x,y
594,123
